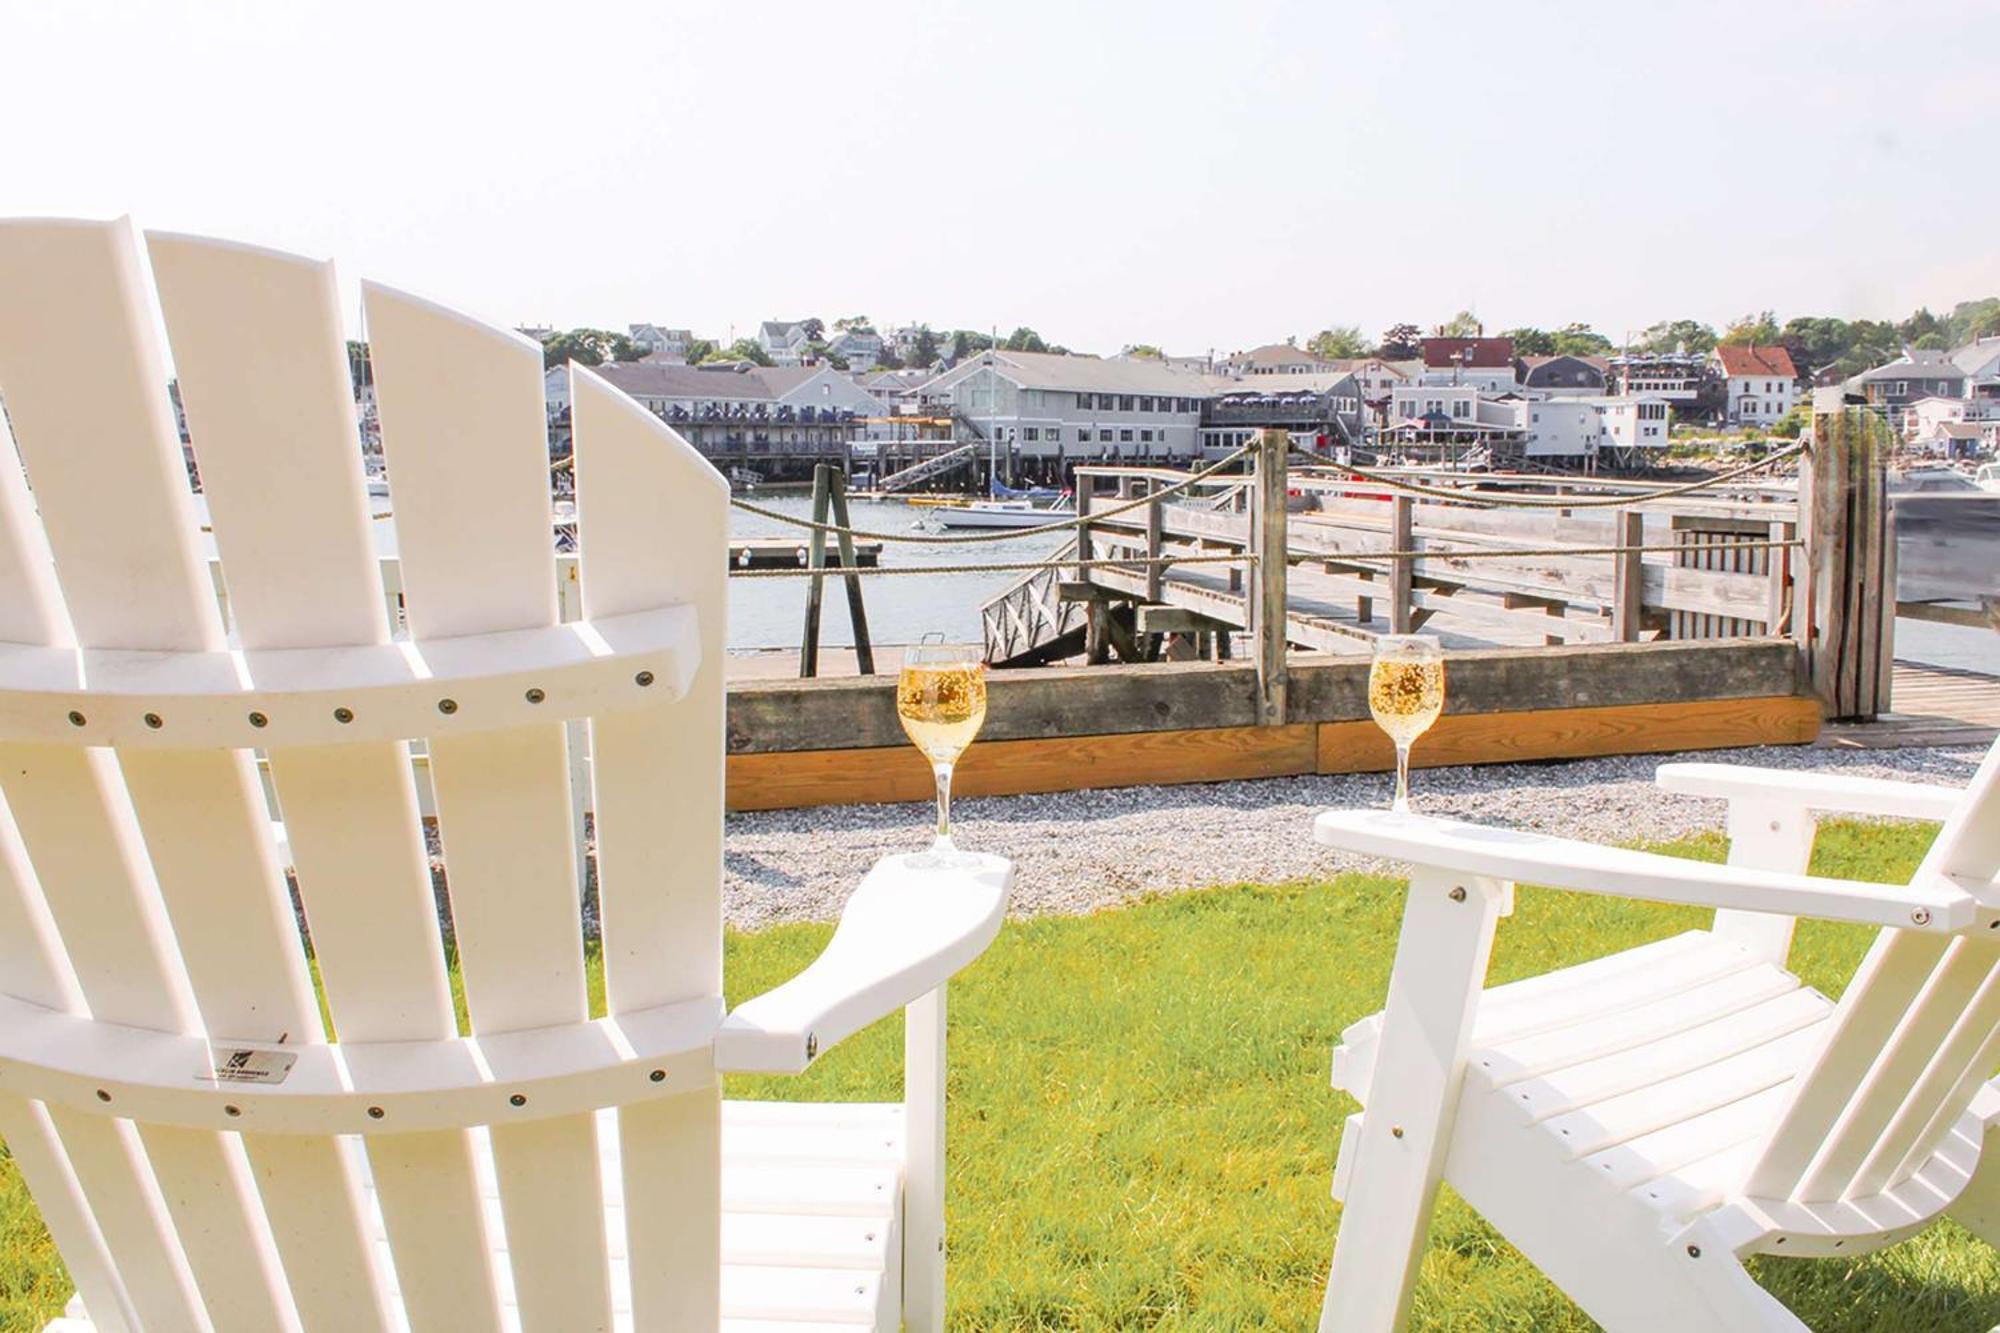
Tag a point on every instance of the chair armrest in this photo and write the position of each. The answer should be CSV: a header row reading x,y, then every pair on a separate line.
x,y
1814,791
1565,863
903,933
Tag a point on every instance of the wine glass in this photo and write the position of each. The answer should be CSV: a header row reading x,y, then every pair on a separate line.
x,y
941,699
1406,694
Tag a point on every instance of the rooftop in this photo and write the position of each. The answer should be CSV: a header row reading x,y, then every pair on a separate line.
x,y
1470,353
1754,360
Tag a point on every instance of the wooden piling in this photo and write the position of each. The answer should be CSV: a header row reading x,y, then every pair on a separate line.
x,y
1402,526
1628,529
857,611
1847,626
1268,603
816,562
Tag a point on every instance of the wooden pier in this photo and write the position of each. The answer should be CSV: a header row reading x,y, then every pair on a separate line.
x,y
793,552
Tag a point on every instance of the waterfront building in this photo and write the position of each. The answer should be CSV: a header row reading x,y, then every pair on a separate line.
x,y
784,341
1980,360
1563,376
1761,383
1486,363
662,344
1635,428
1917,373
1677,377
1323,412
773,421
1041,405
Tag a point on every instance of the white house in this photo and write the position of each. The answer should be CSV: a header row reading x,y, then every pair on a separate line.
x,y
859,348
1570,428
1980,360
783,341
1486,363
1412,402
662,344
1633,422
1276,359
1762,383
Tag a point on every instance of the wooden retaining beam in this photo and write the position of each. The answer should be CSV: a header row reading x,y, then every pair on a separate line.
x,y
821,742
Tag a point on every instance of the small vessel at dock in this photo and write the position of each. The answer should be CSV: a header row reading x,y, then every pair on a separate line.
x,y
996,514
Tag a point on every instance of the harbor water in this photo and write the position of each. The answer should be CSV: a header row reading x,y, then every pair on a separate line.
x,y
902,608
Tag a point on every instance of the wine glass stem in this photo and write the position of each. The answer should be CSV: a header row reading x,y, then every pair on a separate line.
x,y
943,774
1402,803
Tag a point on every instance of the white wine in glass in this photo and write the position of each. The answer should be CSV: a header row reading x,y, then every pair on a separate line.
x,y
941,699
1406,694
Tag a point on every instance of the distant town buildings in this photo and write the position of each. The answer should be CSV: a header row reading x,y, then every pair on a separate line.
x,y
1563,376
1487,363
1274,359
785,342
859,348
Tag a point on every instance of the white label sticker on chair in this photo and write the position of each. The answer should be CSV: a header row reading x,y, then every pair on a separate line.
x,y
246,1065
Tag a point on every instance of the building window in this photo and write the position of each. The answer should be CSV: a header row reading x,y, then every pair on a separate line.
x,y
1145,437
1125,402
1104,436
1083,402
1055,434
1030,434
1125,437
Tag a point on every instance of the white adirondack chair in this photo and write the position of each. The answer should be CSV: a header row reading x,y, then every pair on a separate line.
x,y
1638,1124
205,1152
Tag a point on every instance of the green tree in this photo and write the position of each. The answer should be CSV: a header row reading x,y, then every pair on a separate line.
x,y
815,329
924,347
1530,341
743,349
1920,325
1025,339
700,350
964,342
1930,342
1580,340
1464,324
589,347
1144,352
1757,329
857,323
887,358
1400,342
1676,335
1338,342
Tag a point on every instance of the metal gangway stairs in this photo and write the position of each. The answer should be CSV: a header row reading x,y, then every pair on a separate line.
x,y
934,466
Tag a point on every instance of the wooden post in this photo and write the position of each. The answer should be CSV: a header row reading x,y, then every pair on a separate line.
x,y
1155,573
1846,616
1628,528
1267,593
1085,484
1778,582
1402,524
857,612
816,585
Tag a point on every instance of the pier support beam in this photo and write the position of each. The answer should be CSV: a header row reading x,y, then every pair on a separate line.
x,y
1848,627
1267,601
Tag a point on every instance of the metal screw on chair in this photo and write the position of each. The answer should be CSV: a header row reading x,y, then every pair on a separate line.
x,y
1774,826
447,706
103,1096
658,1076
1395,1131
76,719
812,1045
1921,915
644,678
517,1100
343,715
1457,894
535,696
232,1111
155,721
1694,1251
374,1113
259,720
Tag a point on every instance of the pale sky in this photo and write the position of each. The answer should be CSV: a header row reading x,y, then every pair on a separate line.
x,y
1196,176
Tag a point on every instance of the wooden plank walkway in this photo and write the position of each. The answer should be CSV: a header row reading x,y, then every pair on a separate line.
x,y
1933,706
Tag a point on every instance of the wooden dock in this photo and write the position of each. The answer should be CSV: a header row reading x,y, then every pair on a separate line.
x,y
1931,705
793,552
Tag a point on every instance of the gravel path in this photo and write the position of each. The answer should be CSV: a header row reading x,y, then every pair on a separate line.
x,y
1080,851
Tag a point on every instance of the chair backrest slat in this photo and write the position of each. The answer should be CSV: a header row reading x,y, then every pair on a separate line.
x,y
1890,1056
649,512
469,477
85,389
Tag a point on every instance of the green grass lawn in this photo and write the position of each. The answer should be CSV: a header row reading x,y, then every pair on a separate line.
x,y
1142,1129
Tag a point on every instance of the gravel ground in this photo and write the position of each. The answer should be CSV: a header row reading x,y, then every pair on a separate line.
x,y
1080,851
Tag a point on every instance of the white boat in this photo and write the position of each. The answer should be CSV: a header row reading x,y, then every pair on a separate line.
x,y
995,514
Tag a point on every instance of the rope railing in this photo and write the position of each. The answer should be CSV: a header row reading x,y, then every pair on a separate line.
x,y
1511,500
1011,566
